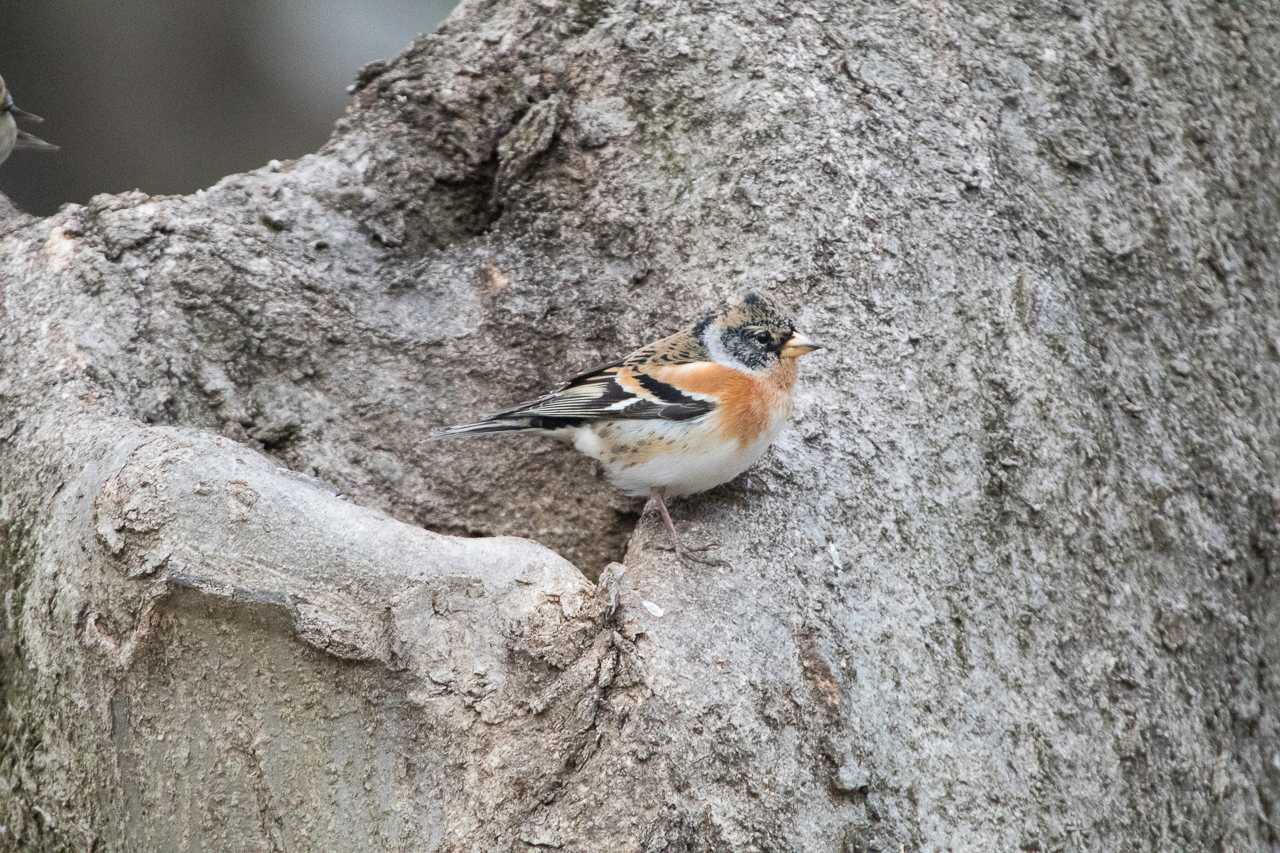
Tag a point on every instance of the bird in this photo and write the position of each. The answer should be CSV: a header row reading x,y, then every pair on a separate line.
x,y
10,136
681,415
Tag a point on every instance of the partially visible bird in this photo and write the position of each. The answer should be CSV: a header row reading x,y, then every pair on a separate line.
x,y
10,136
681,415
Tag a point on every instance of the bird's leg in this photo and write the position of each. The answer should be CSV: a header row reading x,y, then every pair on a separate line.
x,y
681,553
666,516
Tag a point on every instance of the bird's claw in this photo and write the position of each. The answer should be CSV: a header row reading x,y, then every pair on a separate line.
x,y
695,554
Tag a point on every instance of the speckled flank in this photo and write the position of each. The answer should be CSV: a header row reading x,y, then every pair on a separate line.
x,y
628,454
678,457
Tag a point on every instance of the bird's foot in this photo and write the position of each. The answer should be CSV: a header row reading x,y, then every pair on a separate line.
x,y
695,553
683,554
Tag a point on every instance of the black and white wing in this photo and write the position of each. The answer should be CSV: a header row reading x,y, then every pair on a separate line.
x,y
619,391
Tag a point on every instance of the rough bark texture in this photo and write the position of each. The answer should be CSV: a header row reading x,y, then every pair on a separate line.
x,y
1011,582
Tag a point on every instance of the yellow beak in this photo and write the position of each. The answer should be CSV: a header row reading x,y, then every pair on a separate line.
x,y
797,345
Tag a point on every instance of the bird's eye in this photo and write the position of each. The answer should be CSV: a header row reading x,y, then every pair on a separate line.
x,y
764,338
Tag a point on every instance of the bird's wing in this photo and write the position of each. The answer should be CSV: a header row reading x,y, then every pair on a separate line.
x,y
643,386
27,140
618,391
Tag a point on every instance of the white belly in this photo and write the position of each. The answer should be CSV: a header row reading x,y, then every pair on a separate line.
x,y
678,457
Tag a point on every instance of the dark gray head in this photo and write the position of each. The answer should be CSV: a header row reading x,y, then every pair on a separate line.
x,y
752,334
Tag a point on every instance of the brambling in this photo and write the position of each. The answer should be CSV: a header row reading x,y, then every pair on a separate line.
x,y
681,415
10,136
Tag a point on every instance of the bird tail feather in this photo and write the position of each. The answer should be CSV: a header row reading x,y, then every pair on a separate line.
x,y
480,428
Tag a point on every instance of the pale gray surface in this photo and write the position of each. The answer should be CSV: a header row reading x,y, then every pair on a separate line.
x,y
1009,583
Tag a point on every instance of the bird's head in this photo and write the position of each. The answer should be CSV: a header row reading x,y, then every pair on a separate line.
x,y
752,334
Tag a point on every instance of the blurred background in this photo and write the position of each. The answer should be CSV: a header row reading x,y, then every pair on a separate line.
x,y
168,96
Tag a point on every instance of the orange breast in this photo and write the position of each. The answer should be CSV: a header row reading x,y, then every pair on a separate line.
x,y
747,404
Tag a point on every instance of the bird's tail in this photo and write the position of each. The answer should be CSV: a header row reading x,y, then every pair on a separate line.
x,y
481,428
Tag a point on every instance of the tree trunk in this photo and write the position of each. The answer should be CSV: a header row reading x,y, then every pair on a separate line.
x,y
1009,582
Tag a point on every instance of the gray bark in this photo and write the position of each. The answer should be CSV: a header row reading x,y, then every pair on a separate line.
x,y
1010,582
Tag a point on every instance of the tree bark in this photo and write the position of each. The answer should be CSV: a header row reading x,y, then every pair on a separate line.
x,y
1010,581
